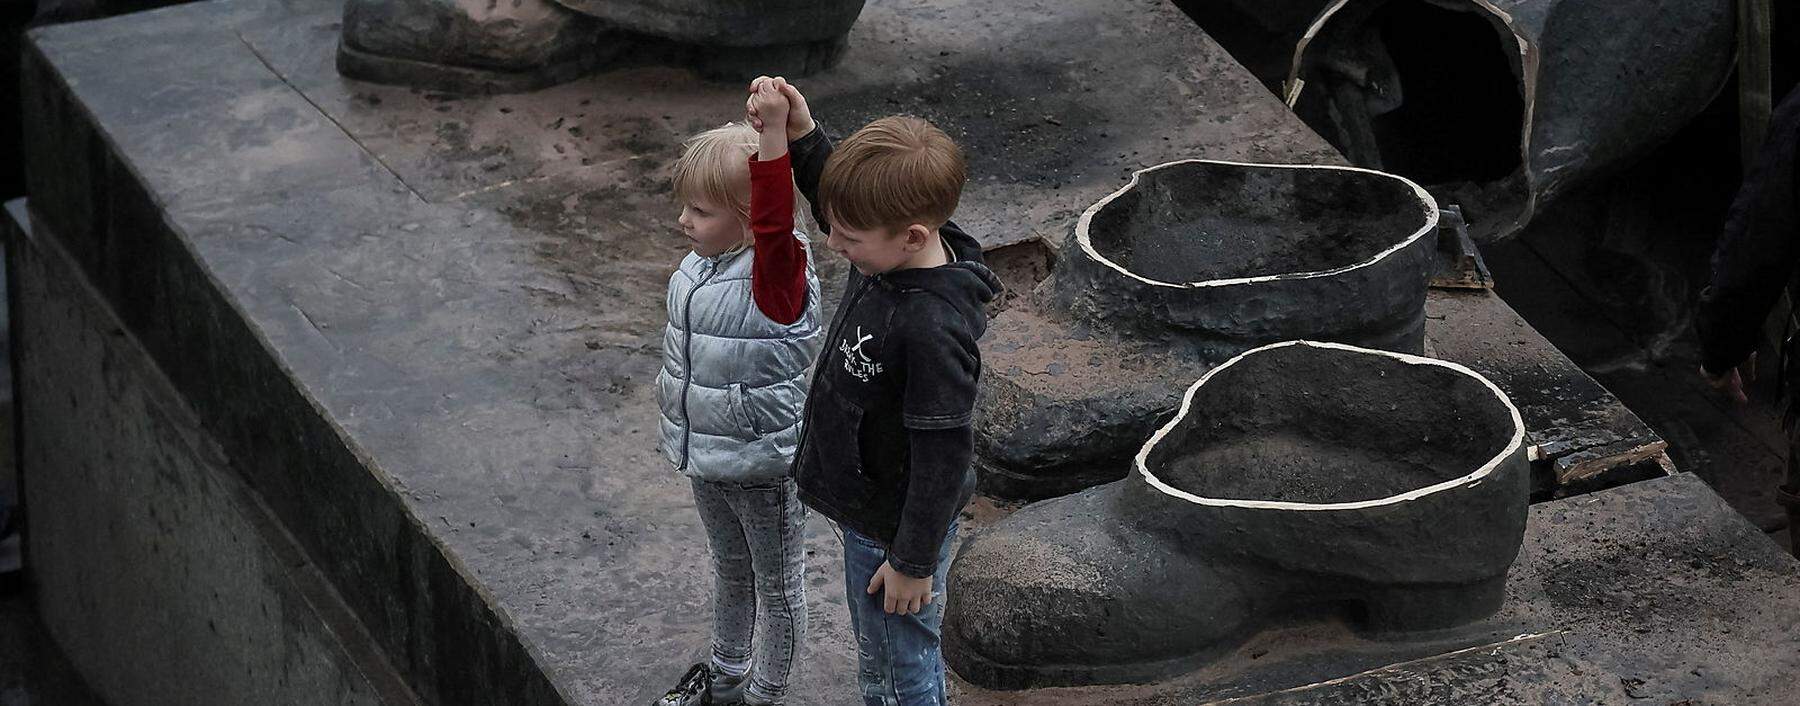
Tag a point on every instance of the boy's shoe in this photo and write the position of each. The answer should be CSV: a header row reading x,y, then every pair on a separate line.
x,y
1191,263
691,690
1298,479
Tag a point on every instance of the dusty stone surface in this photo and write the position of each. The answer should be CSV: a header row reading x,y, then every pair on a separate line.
x,y
427,324
1260,34
449,307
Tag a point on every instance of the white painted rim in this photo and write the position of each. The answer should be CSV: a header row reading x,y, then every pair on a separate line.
x,y
1293,87
1187,401
1528,59
1427,204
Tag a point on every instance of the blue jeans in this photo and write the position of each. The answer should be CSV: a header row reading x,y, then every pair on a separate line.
x,y
899,662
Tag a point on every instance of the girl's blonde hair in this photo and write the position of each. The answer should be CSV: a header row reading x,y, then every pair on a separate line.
x,y
715,167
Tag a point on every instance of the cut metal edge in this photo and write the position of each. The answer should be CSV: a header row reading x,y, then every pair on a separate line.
x,y
1187,400
1291,92
1427,203
1528,63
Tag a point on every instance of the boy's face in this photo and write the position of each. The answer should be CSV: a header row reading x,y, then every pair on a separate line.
x,y
712,229
871,251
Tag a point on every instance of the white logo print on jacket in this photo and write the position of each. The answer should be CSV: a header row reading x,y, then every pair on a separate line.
x,y
855,361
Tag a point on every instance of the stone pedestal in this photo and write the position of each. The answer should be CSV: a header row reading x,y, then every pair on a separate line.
x,y
421,328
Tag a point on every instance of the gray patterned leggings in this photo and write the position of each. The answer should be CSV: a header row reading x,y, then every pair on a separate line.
x,y
758,558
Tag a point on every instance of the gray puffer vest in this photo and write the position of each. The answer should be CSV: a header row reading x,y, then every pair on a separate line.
x,y
733,382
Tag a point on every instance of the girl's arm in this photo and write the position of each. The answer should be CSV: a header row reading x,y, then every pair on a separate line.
x,y
778,274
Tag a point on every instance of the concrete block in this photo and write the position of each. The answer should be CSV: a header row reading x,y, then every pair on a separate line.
x,y
160,573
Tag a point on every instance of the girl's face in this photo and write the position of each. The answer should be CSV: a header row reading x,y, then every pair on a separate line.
x,y
712,229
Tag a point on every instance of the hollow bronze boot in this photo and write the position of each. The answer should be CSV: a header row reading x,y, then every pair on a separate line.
x,y
480,46
1297,479
1508,104
1189,264
471,46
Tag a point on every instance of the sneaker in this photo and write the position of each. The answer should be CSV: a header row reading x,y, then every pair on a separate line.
x,y
691,690
726,690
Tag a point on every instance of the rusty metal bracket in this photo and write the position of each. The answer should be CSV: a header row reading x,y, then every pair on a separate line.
x,y
1458,264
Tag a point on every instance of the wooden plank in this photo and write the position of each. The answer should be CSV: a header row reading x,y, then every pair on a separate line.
x,y
1587,437
1458,264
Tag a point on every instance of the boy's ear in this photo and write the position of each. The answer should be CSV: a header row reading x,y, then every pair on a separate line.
x,y
917,237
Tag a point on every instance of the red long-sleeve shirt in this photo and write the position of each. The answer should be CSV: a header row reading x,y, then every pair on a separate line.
x,y
778,274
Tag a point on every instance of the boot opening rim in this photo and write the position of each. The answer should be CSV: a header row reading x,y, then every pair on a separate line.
x,y
1427,204
1141,465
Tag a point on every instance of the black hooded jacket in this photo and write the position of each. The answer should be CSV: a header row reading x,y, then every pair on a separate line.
x,y
886,444
1756,254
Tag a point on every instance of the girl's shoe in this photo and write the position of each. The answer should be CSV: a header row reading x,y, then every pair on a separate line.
x,y
692,690
726,690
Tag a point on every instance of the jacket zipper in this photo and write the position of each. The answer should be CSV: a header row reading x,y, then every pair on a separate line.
x,y
687,359
825,361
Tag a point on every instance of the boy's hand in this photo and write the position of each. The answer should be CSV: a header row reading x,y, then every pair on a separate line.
x,y
1732,382
904,594
799,117
766,103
